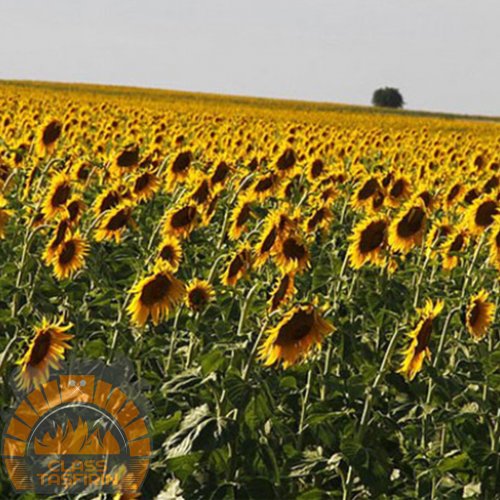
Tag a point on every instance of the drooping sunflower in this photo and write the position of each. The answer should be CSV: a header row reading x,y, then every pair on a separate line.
x,y
494,244
437,235
291,254
45,351
75,209
114,223
4,216
199,294
181,220
144,185
239,264
319,220
170,252
300,331
368,189
264,186
481,213
399,191
480,314
156,296
239,217
407,229
456,242
59,234
108,199
69,256
418,349
49,134
368,242
282,292
268,238
58,195
179,167
127,159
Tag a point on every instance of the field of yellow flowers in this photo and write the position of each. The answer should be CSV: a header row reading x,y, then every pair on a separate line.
x,y
308,293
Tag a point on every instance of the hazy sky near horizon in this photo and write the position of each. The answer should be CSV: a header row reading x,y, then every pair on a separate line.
x,y
444,55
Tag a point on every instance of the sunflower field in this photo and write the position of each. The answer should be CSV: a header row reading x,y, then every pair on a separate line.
x,y
307,293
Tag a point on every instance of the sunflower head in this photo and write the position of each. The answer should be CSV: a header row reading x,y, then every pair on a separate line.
x,y
199,294
300,331
479,315
45,351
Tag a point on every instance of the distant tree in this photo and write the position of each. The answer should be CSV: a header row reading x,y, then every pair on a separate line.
x,y
388,97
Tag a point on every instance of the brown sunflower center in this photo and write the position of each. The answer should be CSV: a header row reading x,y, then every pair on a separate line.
x,y
244,215
40,348
485,213
269,241
198,297
317,168
67,253
281,291
202,193
220,173
182,162
475,313
167,253
457,244
424,335
73,210
411,223
292,249
51,133
109,201
128,158
236,265
183,217
118,220
264,184
397,189
287,159
156,290
471,195
142,182
298,327
453,193
61,195
368,189
373,236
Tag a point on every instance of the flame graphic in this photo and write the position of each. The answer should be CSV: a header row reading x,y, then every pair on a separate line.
x,y
69,441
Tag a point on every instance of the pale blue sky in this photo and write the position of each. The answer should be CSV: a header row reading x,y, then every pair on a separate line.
x,y
442,54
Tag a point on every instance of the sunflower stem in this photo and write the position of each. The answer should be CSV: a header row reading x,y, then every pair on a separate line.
x,y
305,401
471,267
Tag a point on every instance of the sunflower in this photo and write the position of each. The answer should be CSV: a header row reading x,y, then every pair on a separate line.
x,y
407,229
178,168
45,351
56,240
239,218
199,293
481,213
367,190
50,133
480,314
368,242
494,243
180,222
300,331
265,186
267,240
418,349
319,220
107,199
291,254
155,296
69,256
239,264
170,252
58,195
437,235
127,159
220,173
114,223
4,216
454,195
282,292
456,242
144,185
399,191
75,209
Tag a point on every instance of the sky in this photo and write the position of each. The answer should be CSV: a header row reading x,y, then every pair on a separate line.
x,y
443,55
